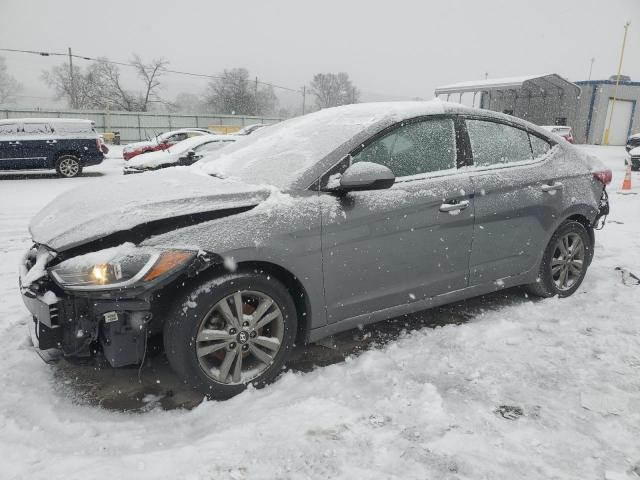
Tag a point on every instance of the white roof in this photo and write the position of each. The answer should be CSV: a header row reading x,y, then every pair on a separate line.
x,y
494,83
44,120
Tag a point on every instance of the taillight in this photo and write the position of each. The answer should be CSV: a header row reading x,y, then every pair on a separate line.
x,y
603,176
98,144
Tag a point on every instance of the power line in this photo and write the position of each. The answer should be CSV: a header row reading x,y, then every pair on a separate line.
x,y
126,64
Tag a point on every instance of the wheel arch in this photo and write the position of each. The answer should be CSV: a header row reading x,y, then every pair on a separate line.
x,y
294,286
586,223
62,153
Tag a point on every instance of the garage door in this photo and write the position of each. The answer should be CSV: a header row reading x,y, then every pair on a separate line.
x,y
620,122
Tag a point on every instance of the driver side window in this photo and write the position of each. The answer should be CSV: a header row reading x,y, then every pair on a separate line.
x,y
414,148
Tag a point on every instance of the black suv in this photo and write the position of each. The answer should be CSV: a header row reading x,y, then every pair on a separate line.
x,y
65,144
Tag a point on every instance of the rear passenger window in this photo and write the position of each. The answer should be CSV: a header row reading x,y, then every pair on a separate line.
x,y
495,143
539,146
36,128
414,148
9,129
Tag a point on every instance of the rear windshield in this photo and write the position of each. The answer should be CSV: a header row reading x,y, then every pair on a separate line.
x,y
70,128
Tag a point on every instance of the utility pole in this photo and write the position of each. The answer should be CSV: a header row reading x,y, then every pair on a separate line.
x,y
255,95
615,89
591,67
486,75
73,86
304,97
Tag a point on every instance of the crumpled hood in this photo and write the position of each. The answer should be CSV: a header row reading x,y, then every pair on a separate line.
x,y
88,213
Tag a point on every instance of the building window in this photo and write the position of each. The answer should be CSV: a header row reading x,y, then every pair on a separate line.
x,y
508,112
562,121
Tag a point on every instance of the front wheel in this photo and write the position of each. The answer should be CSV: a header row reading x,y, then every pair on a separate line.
x,y
68,166
565,261
230,332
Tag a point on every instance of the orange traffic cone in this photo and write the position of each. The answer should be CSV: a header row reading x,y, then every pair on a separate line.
x,y
626,184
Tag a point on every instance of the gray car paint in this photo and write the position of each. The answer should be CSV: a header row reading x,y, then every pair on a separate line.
x,y
368,250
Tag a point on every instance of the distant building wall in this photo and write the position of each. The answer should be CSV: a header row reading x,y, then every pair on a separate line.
x,y
594,102
541,110
134,126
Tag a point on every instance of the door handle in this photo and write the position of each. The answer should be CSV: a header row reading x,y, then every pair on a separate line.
x,y
551,188
454,206
51,141
14,143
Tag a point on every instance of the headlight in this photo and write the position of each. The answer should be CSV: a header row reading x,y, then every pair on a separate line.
x,y
118,267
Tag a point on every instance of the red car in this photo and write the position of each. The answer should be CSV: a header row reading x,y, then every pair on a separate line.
x,y
160,142
563,131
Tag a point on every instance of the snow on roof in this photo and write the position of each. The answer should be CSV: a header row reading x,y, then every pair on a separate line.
x,y
44,120
495,83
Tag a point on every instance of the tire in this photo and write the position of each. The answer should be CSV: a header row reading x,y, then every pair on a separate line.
x,y
68,166
567,238
210,352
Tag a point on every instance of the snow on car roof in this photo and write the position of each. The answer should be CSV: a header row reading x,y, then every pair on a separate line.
x,y
281,154
192,142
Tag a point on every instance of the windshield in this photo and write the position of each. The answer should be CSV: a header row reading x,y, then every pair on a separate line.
x,y
281,154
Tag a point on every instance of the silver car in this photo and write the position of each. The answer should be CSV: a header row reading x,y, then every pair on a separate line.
x,y
316,225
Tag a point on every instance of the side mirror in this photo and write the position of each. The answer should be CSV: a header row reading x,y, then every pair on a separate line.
x,y
366,176
191,153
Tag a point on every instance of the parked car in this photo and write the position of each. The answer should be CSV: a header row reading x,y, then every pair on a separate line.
x,y
249,129
64,144
186,152
561,130
316,225
633,142
635,158
160,142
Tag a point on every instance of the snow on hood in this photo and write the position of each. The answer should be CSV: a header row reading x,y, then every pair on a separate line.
x,y
281,154
153,159
85,214
173,153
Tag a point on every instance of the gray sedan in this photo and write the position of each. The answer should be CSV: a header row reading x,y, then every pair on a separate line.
x,y
313,226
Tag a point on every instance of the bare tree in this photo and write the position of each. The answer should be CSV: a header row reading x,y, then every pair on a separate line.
x,y
9,86
100,85
332,90
234,93
150,74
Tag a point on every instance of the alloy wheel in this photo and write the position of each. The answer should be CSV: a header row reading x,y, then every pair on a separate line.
x,y
239,337
69,167
568,261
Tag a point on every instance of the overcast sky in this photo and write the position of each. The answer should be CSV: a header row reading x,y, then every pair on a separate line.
x,y
392,50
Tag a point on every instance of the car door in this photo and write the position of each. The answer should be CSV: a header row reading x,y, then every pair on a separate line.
x,y
517,199
386,248
10,146
36,144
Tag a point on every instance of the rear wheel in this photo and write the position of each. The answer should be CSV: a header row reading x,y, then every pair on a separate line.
x,y
68,166
230,332
565,261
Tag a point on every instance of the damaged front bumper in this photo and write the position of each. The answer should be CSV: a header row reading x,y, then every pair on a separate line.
x,y
80,324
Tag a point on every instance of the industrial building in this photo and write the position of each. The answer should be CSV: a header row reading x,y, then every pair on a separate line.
x,y
553,100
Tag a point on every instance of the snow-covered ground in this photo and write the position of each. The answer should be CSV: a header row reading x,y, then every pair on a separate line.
x,y
426,403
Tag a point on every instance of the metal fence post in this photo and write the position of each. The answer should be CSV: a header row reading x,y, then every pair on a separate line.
x,y
139,128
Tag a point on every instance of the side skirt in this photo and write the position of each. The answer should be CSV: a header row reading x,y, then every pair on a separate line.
x,y
423,304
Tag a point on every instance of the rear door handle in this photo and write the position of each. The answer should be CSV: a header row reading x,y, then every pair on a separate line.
x,y
454,206
552,188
